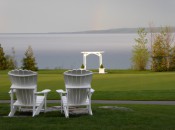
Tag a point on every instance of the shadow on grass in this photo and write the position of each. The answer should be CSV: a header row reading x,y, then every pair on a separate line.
x,y
142,117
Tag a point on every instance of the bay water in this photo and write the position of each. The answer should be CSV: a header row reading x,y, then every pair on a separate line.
x,y
64,50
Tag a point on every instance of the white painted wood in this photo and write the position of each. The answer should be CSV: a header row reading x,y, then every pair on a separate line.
x,y
98,53
24,86
101,70
78,90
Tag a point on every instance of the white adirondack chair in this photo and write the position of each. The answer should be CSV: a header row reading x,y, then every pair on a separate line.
x,y
78,90
24,86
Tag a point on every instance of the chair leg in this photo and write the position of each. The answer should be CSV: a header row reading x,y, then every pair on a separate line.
x,y
13,111
45,103
66,112
90,110
61,107
19,109
38,109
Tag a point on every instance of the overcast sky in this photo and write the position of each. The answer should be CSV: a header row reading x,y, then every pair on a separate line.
x,y
40,16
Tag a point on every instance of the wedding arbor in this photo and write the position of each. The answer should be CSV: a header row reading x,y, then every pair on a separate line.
x,y
97,53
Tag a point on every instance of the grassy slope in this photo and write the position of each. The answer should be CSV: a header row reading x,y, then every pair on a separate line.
x,y
117,84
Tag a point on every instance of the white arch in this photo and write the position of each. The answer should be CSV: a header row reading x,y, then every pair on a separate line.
x,y
98,53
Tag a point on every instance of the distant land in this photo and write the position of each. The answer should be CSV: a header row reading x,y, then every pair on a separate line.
x,y
107,31
117,30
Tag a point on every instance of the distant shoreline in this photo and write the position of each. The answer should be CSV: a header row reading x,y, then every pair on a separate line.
x,y
107,31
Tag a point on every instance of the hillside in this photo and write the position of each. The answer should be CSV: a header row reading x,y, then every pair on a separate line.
x,y
117,30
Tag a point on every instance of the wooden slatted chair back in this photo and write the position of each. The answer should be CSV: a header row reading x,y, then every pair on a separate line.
x,y
78,84
77,96
78,78
22,80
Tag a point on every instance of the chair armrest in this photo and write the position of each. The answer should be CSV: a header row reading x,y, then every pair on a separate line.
x,y
61,91
46,91
43,92
10,92
92,91
14,90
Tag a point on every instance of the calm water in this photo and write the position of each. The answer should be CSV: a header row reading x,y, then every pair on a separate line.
x,y
64,50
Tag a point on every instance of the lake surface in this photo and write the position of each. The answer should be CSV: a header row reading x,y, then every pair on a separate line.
x,y
64,50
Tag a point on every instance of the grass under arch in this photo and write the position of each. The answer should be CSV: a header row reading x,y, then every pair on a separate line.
x,y
115,85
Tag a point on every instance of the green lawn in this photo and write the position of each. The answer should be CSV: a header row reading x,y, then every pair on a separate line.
x,y
143,117
115,85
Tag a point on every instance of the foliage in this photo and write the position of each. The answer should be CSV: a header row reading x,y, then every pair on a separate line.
x,y
3,61
172,60
158,54
163,51
10,62
140,51
101,66
82,66
29,60
7,61
14,58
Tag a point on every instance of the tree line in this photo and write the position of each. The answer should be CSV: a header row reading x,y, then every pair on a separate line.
x,y
9,62
159,51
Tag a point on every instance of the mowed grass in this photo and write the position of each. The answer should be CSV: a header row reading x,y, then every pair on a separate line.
x,y
115,85
142,117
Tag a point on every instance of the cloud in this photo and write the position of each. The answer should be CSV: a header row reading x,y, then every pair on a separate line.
x,y
78,15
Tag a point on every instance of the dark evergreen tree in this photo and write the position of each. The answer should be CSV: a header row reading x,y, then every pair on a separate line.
x,y
3,61
28,61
